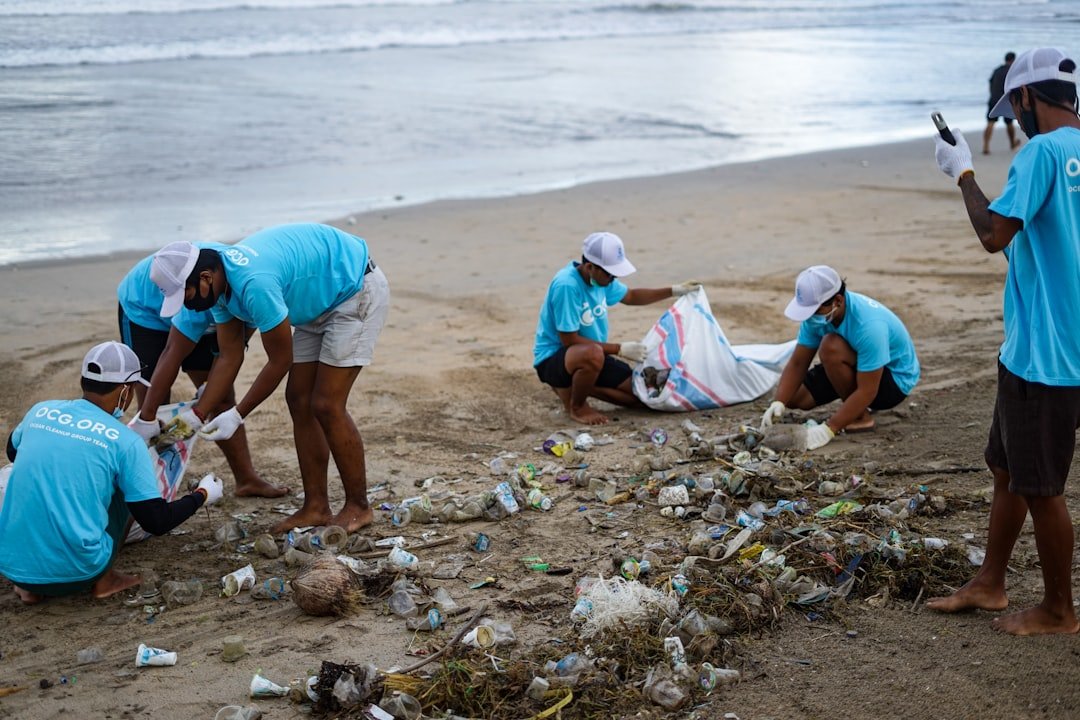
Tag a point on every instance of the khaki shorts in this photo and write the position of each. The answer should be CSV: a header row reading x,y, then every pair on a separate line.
x,y
345,335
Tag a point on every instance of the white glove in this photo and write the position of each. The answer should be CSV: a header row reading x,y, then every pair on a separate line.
x,y
146,429
213,487
774,413
223,426
633,351
685,287
819,436
954,160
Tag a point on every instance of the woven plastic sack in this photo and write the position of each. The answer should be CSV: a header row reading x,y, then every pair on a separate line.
x,y
703,370
170,463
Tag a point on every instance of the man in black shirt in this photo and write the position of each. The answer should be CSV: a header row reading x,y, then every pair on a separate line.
x,y
997,89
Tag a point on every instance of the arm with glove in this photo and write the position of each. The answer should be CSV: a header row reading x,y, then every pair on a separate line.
x,y
994,231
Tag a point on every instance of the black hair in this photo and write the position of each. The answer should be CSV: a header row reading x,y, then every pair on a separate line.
x,y
97,387
208,260
1010,56
1055,92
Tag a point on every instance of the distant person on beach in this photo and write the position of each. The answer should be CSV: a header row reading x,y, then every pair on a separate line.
x,y
319,303
1035,222
571,352
867,358
997,90
78,477
164,347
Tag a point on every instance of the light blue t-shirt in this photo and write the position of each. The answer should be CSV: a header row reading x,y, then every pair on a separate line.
x,y
1042,286
876,335
294,272
72,457
141,300
574,305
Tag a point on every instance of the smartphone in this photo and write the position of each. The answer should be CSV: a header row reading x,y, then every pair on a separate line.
x,y
942,128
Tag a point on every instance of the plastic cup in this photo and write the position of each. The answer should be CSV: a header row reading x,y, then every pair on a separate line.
x,y
481,636
232,648
153,657
237,580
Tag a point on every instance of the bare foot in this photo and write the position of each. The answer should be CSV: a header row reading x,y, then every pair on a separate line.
x,y
353,517
257,487
1036,621
113,582
973,596
863,423
986,152
303,518
1015,144
587,416
28,597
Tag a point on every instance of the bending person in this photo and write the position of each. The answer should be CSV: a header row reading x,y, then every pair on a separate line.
x,y
320,281
572,353
188,342
866,355
79,476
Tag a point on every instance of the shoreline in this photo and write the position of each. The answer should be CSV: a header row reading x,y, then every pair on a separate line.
x,y
344,219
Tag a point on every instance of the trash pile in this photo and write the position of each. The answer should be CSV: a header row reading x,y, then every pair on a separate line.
x,y
729,531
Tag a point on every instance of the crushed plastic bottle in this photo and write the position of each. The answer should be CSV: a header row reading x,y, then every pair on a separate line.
x,y
402,604
504,494
538,500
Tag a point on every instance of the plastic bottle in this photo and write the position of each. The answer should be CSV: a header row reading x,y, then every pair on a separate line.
x,y
539,500
572,664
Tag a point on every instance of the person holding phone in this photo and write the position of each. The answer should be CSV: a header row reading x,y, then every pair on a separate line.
x,y
1035,223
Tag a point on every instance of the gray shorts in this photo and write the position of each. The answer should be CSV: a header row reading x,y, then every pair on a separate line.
x,y
345,335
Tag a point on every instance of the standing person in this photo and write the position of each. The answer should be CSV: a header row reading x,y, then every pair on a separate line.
x,y
571,352
188,342
77,473
997,90
867,357
322,282
1036,223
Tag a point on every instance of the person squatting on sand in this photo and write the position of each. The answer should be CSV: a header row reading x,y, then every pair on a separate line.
x,y
322,282
77,473
164,347
572,353
1035,222
866,357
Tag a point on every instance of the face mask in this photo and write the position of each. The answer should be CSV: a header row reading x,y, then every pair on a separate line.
x,y
201,303
822,322
1028,123
118,411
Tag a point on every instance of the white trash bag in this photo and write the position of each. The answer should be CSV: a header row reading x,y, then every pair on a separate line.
x,y
692,366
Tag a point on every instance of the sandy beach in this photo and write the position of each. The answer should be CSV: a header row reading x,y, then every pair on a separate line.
x,y
452,386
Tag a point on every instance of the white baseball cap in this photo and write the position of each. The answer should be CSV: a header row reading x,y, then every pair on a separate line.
x,y
169,270
1031,67
113,362
814,286
606,250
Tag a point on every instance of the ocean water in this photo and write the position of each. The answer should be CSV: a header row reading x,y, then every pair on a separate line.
x,y
127,124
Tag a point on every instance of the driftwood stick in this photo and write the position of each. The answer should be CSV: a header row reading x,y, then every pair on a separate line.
x,y
457,638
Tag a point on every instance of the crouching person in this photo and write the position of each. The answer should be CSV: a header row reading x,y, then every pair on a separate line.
x,y
78,477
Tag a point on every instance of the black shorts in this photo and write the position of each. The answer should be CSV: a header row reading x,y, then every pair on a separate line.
x,y
888,394
1033,434
148,344
552,371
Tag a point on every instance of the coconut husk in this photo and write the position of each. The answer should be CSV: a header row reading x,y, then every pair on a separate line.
x,y
326,587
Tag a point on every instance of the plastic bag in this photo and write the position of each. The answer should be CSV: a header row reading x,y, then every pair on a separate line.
x,y
692,366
